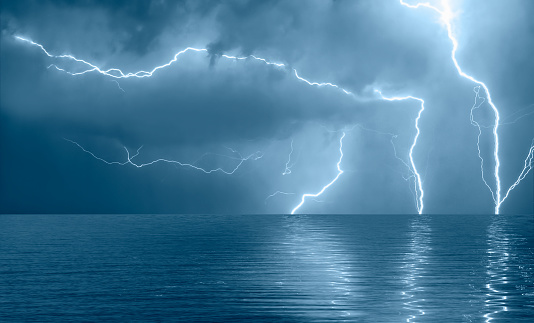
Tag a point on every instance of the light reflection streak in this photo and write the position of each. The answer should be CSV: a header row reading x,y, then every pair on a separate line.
x,y
498,265
415,261
323,267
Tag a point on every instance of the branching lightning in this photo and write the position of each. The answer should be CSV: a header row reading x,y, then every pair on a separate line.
x,y
129,160
527,167
517,118
447,16
340,171
119,74
112,72
476,105
392,137
419,193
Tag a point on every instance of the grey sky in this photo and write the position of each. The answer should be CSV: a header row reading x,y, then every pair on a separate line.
x,y
202,105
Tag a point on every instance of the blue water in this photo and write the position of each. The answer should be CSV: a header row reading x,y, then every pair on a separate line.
x,y
267,268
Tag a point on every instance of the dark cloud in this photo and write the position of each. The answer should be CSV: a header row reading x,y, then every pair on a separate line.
x,y
205,102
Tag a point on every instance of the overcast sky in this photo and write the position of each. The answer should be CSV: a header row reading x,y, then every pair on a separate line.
x,y
213,112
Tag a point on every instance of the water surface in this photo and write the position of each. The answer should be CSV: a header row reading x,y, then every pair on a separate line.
x,y
283,268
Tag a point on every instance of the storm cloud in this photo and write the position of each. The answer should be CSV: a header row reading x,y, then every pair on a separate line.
x,y
205,105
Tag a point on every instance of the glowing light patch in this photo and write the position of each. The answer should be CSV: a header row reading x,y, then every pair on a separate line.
x,y
446,16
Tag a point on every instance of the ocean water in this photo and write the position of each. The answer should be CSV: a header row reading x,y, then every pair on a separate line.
x,y
267,268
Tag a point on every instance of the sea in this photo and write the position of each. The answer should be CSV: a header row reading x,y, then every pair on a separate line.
x,y
267,268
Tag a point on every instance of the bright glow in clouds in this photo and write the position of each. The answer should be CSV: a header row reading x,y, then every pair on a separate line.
x,y
446,16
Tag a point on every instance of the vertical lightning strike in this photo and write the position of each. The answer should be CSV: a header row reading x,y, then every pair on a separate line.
x,y
287,171
417,178
392,137
119,74
129,160
340,171
446,16
476,105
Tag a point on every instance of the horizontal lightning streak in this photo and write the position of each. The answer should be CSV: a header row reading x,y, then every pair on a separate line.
x,y
255,156
321,84
517,118
112,72
276,193
446,16
119,74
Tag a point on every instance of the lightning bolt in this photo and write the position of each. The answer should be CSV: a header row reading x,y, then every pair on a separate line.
x,y
129,160
395,154
391,140
112,72
118,84
287,171
119,74
419,193
322,84
340,171
447,16
276,193
517,118
476,105
527,167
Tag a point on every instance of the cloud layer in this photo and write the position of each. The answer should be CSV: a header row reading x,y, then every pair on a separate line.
x,y
206,103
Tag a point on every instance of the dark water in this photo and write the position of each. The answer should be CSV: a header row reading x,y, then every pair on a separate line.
x,y
271,268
